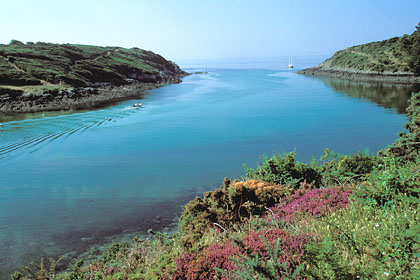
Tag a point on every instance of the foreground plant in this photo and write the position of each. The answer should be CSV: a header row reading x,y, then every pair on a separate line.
x,y
39,271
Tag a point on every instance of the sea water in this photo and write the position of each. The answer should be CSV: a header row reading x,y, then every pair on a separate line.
x,y
74,180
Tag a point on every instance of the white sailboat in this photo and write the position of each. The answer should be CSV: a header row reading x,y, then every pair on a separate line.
x,y
290,66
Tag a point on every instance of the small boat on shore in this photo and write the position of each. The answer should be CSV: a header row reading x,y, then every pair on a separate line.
x,y
137,105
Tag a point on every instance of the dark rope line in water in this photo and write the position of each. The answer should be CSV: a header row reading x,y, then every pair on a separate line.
x,y
100,123
16,147
3,148
88,126
38,140
31,140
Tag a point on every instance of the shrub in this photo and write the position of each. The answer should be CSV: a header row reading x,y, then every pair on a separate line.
x,y
388,181
407,147
40,271
268,254
315,203
414,51
343,169
111,252
16,42
285,170
202,266
291,247
325,262
227,205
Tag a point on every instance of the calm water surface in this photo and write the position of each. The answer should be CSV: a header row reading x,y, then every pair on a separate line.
x,y
70,181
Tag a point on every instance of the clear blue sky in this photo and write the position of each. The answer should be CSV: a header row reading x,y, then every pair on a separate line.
x,y
190,29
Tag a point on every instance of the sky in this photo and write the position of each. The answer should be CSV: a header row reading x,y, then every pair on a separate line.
x,y
200,29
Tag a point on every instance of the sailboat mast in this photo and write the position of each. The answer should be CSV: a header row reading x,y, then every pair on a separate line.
x,y
290,66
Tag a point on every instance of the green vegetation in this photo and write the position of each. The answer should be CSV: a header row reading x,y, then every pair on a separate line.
x,y
344,217
78,65
395,55
413,47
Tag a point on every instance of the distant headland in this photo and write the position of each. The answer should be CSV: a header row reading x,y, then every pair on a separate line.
x,y
47,77
396,60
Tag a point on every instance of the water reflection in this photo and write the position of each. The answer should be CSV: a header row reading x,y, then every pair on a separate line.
x,y
390,96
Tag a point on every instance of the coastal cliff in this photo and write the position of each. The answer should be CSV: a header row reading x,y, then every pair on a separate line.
x,y
396,60
46,77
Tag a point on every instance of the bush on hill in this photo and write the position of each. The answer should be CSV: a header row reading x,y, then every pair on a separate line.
x,y
415,51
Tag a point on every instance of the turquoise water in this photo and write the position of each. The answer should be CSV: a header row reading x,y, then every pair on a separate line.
x,y
70,181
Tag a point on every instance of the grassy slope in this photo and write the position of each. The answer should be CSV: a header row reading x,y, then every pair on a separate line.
x,y
76,65
384,56
395,55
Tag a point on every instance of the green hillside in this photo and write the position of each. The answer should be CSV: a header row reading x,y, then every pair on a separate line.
x,y
79,65
398,55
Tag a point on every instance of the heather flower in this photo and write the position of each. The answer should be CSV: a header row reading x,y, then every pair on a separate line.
x,y
292,247
201,266
183,265
317,202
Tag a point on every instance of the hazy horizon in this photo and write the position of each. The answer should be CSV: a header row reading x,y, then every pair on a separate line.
x,y
188,30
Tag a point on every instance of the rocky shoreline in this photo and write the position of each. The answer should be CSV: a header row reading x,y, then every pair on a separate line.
x,y
14,102
365,76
